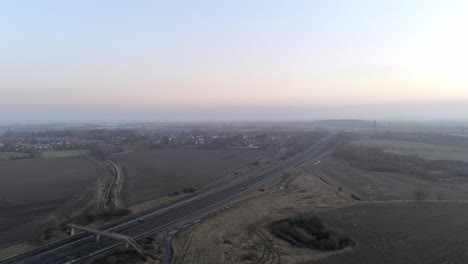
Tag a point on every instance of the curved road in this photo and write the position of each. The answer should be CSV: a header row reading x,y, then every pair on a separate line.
x,y
82,247
117,185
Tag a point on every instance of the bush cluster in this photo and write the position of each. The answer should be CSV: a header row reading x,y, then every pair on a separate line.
x,y
106,216
310,232
376,159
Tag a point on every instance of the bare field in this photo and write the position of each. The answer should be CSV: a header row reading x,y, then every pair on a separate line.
x,y
240,234
392,221
423,150
371,185
54,154
12,155
32,189
409,232
153,174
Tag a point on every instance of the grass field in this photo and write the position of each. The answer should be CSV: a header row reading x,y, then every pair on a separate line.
x,y
424,150
54,154
157,173
12,155
404,233
371,185
31,189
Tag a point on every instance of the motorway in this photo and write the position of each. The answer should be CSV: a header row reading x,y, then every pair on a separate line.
x,y
82,247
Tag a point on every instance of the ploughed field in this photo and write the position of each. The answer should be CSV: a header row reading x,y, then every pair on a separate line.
x,y
156,173
35,189
402,232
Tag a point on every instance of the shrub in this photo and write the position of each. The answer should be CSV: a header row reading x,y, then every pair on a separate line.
x,y
89,218
188,190
419,193
376,159
106,216
119,212
248,257
310,232
355,197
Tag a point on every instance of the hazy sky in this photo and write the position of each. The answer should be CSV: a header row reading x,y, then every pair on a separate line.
x,y
232,60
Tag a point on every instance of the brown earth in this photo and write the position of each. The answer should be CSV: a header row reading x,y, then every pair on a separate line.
x,y
157,173
240,235
403,232
423,150
371,185
39,188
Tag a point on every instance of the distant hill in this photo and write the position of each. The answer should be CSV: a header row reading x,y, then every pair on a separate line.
x,y
345,123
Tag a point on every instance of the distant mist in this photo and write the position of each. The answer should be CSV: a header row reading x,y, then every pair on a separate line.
x,y
404,112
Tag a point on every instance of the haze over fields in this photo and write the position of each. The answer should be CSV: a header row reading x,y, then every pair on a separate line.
x,y
231,61
234,132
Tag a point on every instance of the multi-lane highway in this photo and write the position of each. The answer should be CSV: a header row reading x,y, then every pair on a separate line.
x,y
82,247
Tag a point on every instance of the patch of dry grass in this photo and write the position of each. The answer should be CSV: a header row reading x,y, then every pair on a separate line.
x,y
424,150
15,250
240,234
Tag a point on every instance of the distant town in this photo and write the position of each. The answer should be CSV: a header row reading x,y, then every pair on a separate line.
x,y
19,142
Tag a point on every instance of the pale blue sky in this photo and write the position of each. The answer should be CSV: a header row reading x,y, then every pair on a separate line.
x,y
171,57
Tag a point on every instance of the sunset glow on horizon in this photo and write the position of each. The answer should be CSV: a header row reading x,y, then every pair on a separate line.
x,y
182,55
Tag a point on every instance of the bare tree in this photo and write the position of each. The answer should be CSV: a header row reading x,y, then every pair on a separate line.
x,y
440,197
420,193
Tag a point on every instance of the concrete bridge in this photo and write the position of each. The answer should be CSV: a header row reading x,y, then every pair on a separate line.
x,y
128,241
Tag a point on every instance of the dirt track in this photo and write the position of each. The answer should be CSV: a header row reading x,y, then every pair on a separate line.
x,y
117,185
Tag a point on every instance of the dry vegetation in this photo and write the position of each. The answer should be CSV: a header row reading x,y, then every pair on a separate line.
x,y
376,159
375,185
241,233
423,150
309,231
378,196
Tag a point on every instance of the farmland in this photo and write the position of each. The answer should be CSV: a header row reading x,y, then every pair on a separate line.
x,y
36,189
153,174
389,225
47,154
410,232
424,150
13,155
372,185
242,230
53,154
